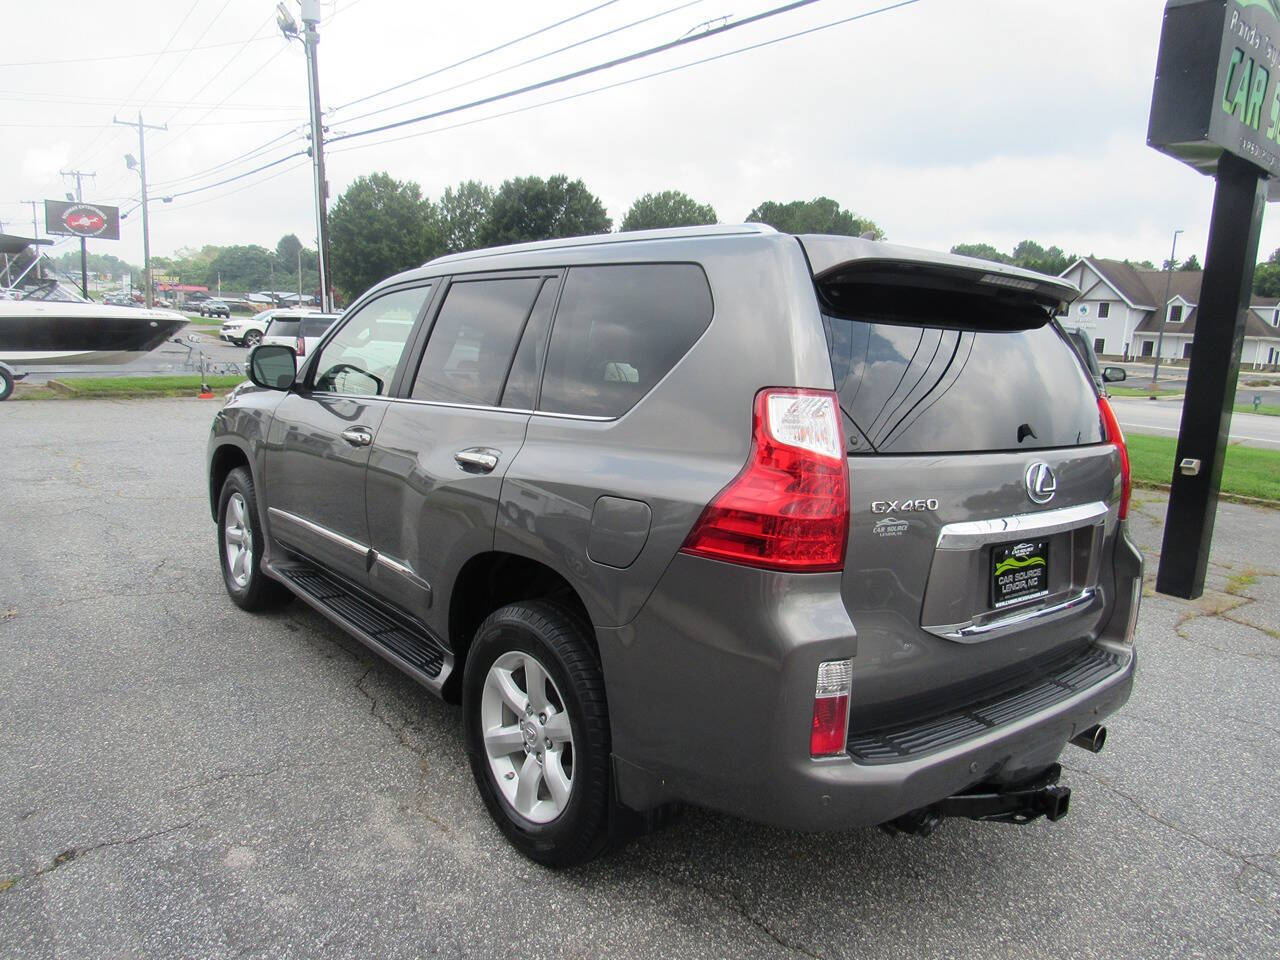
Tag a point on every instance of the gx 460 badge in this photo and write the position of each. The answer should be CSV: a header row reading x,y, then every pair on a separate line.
x,y
903,506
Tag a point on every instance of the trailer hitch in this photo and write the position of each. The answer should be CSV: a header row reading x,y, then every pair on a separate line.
x,y
1040,797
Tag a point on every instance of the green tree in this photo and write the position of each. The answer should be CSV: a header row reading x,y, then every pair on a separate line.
x,y
1031,256
983,251
287,250
1266,276
98,263
1191,263
463,213
820,215
243,269
670,208
378,227
530,208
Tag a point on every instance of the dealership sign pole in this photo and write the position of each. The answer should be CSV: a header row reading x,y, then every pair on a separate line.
x,y
1216,107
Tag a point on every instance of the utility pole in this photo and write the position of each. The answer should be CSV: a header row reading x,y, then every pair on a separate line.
x,y
84,256
1164,315
35,231
310,40
148,293
299,276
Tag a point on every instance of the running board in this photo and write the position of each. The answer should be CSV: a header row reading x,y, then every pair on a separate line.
x,y
407,646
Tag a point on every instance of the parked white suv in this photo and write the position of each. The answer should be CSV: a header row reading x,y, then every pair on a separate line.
x,y
249,331
302,333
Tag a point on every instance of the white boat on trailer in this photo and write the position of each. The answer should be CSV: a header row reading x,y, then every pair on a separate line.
x,y
46,322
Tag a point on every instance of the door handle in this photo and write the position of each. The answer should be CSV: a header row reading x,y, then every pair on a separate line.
x,y
357,436
477,458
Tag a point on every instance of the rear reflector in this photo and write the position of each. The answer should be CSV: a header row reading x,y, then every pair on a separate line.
x,y
831,708
788,508
1115,436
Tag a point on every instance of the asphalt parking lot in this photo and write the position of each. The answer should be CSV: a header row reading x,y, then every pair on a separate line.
x,y
180,778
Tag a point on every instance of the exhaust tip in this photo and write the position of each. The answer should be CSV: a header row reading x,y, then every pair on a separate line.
x,y
1092,739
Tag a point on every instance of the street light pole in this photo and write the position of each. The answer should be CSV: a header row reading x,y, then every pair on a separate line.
x,y
147,292
1164,314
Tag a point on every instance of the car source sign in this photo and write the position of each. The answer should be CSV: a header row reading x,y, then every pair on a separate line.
x,y
1218,83
76,219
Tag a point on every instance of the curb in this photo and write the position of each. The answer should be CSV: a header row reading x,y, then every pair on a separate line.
x,y
1229,497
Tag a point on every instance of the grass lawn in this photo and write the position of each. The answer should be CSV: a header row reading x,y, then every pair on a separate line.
x,y
187,385
1248,472
1266,410
1140,391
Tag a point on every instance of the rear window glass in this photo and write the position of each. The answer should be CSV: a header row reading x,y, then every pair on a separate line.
x,y
618,331
951,384
283,327
474,339
316,326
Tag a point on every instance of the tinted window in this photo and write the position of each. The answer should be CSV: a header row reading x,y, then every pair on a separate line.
x,y
315,326
473,340
362,357
522,382
952,385
617,332
283,327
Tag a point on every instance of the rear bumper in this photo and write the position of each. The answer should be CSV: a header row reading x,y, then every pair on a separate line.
x,y
715,710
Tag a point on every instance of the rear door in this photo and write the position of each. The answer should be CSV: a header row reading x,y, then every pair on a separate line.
x,y
320,437
984,498
442,449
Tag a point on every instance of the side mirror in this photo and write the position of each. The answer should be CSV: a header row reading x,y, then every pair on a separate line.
x,y
1113,374
273,366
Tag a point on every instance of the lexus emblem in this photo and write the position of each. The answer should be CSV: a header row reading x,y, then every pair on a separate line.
x,y
1041,483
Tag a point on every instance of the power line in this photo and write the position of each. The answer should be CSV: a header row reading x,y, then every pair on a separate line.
x,y
523,63
126,56
238,176
25,96
247,155
476,56
183,59
247,186
585,71
631,80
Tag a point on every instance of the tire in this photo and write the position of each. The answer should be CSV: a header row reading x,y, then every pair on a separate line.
x,y
556,827
252,338
241,562
6,384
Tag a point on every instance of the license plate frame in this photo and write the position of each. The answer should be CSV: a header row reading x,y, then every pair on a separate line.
x,y
1019,572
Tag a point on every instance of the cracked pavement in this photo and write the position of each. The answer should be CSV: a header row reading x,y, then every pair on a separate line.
x,y
181,779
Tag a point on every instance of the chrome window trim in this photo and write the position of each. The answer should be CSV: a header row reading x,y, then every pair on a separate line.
x,y
331,535
968,534
463,406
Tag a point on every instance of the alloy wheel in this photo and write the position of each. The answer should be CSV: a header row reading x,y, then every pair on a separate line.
x,y
527,737
237,536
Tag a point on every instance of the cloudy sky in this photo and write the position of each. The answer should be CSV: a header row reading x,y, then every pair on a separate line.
x,y
945,121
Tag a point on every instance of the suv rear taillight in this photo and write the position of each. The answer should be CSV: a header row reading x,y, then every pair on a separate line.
x,y
301,349
788,509
831,708
1115,436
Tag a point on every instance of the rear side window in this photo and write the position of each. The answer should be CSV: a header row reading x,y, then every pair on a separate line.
x,y
283,327
315,326
618,331
474,339
959,383
522,381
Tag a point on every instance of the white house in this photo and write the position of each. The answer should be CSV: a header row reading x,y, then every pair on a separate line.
x,y
1119,310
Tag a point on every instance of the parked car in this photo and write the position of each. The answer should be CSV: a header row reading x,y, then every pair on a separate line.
x,y
248,331
817,531
302,333
214,308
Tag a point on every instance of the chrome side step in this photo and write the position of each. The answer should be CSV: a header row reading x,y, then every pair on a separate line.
x,y
404,644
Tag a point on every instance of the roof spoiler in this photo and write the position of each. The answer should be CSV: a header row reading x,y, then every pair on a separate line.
x,y
854,260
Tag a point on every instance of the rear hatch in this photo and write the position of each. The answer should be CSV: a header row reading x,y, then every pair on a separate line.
x,y
984,497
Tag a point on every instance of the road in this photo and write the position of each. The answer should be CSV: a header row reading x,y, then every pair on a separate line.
x,y
1163,417
179,778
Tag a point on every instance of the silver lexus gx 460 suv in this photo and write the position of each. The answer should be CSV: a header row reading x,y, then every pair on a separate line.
x,y
813,530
